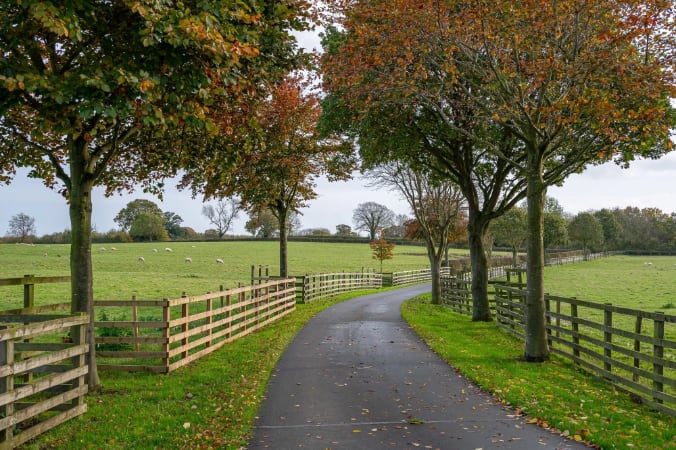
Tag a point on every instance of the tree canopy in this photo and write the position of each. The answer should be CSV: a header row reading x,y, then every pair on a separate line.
x,y
84,103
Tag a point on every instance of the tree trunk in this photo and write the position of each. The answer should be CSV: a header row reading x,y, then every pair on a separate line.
x,y
435,266
536,348
82,290
481,310
515,256
283,243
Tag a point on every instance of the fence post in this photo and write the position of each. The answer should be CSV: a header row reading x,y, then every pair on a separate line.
x,y
185,312
166,318
78,335
607,336
658,352
576,331
210,318
228,313
134,317
637,345
6,385
548,320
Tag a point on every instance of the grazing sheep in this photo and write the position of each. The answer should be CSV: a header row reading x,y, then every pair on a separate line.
x,y
167,249
193,246
219,261
44,254
141,259
647,264
102,249
188,259
154,250
113,248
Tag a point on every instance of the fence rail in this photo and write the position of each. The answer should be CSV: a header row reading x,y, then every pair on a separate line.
x,y
42,378
314,287
164,335
635,350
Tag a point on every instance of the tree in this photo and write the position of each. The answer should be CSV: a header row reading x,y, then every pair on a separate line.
x,y
392,90
372,217
343,230
576,84
172,224
278,173
586,229
85,104
127,215
22,226
398,227
382,250
222,215
148,227
262,223
554,230
510,229
436,206
612,230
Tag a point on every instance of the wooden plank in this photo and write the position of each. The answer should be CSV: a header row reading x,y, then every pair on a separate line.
x,y
133,368
33,280
37,430
32,330
37,408
43,360
41,384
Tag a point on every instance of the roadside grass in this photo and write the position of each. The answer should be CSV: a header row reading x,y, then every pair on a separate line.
x,y
210,404
553,394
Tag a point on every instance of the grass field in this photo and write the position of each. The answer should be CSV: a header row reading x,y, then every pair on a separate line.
x,y
118,275
620,280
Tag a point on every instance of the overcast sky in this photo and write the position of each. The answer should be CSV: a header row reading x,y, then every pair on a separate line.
x,y
647,183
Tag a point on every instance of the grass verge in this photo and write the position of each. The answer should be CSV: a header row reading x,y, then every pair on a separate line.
x,y
210,404
553,394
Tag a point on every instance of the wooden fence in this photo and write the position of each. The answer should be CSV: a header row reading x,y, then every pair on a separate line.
x,y
314,287
42,378
636,350
164,335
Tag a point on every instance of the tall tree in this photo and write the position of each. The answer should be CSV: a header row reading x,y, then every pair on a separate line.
x,y
127,215
222,215
612,230
84,103
436,205
22,226
372,217
172,224
278,173
510,229
148,227
396,79
262,223
586,229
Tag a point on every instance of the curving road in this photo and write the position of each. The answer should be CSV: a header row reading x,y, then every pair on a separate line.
x,y
356,377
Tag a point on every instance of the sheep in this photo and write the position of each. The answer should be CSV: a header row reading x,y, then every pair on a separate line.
x,y
102,249
113,248
44,254
167,249
154,250
188,259
647,264
141,259
219,261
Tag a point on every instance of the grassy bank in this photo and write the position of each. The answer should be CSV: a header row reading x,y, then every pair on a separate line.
x,y
553,394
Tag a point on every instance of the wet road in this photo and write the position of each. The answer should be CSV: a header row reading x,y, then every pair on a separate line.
x,y
356,377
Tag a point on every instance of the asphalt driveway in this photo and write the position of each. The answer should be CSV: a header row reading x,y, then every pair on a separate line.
x,y
356,377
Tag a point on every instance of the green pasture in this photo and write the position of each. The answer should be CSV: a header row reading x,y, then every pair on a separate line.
x,y
118,274
621,280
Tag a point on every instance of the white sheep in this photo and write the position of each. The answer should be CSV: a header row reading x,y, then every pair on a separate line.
x,y
141,259
154,250
167,249
647,264
188,259
113,248
219,261
44,254
102,249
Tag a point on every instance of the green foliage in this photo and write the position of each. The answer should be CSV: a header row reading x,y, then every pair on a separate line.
x,y
113,332
148,227
586,229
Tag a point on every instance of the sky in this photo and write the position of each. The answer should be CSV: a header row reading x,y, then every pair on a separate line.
x,y
647,183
